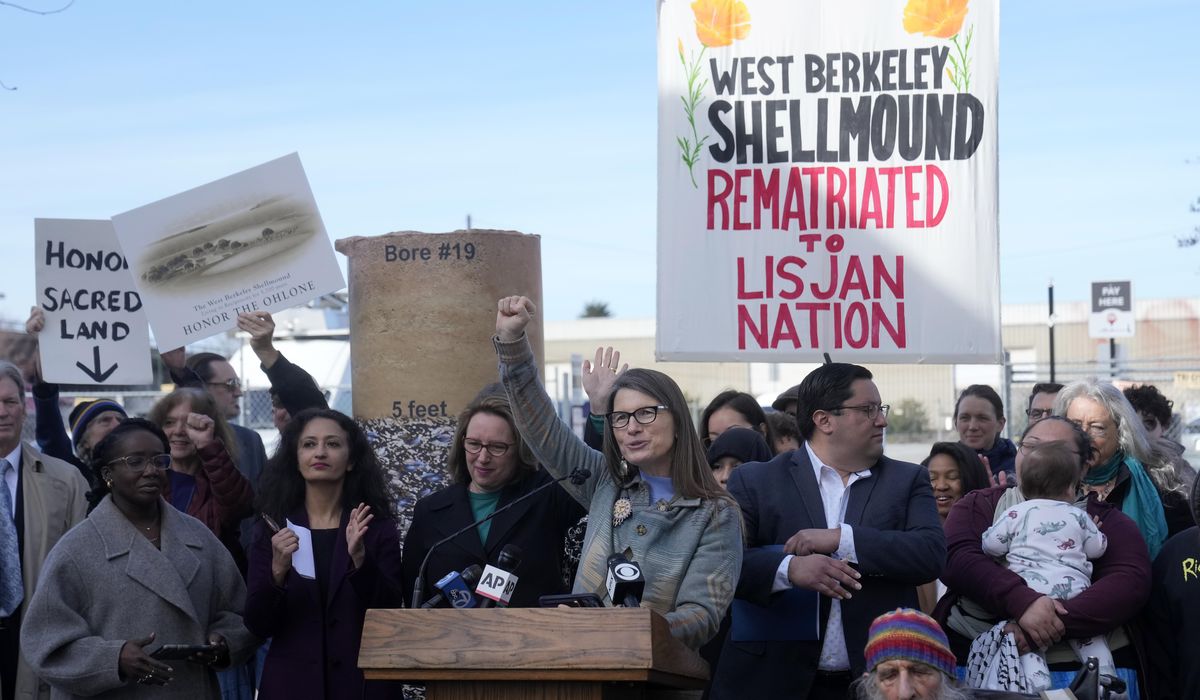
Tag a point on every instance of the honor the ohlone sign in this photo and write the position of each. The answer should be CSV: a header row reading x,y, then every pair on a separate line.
x,y
827,180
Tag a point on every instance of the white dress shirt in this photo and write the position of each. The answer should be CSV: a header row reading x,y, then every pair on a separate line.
x,y
834,496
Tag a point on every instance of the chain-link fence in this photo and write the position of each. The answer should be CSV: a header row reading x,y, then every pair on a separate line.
x,y
256,409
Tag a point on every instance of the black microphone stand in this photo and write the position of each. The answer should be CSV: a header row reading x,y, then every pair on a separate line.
x,y
577,477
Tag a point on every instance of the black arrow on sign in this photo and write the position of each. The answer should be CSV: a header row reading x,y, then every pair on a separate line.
x,y
96,374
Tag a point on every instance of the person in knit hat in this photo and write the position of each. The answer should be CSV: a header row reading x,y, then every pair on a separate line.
x,y
908,658
91,421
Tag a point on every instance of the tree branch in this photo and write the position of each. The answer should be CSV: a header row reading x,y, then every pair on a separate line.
x,y
32,11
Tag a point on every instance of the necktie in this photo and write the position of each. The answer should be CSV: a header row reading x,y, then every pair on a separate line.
x,y
12,589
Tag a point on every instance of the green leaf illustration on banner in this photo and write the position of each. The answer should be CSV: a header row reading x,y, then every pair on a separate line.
x,y
943,19
689,148
718,23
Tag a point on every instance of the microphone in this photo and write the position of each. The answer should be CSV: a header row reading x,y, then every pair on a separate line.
x,y
625,581
577,477
456,588
498,582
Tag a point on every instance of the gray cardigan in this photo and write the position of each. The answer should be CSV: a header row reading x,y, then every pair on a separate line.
x,y
104,584
690,550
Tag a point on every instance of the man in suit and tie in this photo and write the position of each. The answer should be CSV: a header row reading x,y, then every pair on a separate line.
x,y
858,529
40,499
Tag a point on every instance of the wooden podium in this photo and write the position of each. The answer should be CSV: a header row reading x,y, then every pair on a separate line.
x,y
545,653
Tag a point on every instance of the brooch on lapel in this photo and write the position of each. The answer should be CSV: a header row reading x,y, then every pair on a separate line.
x,y
622,509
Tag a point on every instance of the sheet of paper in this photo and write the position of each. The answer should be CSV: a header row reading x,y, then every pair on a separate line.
x,y
302,559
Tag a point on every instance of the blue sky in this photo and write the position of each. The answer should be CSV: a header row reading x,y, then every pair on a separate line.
x,y
540,117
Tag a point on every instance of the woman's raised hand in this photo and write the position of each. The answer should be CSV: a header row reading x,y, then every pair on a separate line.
x,y
36,321
356,532
513,314
600,375
200,429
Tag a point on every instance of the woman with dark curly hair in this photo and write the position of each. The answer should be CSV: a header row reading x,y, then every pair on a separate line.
x,y
954,471
325,479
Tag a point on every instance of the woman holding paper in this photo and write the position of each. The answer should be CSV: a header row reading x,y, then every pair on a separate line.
x,y
325,551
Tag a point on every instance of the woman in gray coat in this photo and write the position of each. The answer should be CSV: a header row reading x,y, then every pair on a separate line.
x,y
135,575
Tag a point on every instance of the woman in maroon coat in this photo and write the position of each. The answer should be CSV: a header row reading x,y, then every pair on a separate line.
x,y
983,591
203,481
325,478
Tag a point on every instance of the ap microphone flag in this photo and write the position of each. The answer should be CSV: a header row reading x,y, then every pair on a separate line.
x,y
503,581
496,585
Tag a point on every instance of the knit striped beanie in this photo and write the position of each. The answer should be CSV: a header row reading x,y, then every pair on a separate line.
x,y
83,414
909,635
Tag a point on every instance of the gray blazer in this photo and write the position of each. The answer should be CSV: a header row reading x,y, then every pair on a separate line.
x,y
104,584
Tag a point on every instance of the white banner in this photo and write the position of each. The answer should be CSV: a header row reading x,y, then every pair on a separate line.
x,y
827,181
248,242
95,330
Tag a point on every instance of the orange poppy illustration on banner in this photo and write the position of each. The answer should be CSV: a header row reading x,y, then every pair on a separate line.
x,y
718,23
943,19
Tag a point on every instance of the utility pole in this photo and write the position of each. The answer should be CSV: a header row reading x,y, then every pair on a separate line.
x,y
1050,322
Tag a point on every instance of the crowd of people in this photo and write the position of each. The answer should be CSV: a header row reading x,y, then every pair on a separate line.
x,y
162,555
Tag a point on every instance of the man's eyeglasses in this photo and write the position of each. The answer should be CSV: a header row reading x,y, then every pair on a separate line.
x,y
871,410
495,449
1039,413
644,416
232,384
136,464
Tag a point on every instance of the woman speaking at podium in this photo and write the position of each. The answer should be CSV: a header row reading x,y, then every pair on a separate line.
x,y
651,491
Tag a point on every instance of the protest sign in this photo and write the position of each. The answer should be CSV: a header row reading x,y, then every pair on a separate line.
x,y
248,242
95,330
827,181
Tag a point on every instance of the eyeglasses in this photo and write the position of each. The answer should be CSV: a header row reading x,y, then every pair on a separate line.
x,y
495,449
232,384
871,410
1096,430
136,464
1039,413
644,416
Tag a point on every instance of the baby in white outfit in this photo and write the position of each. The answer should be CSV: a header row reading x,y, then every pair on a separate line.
x,y
1050,543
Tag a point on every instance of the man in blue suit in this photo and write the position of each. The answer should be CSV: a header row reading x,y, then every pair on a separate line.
x,y
857,528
